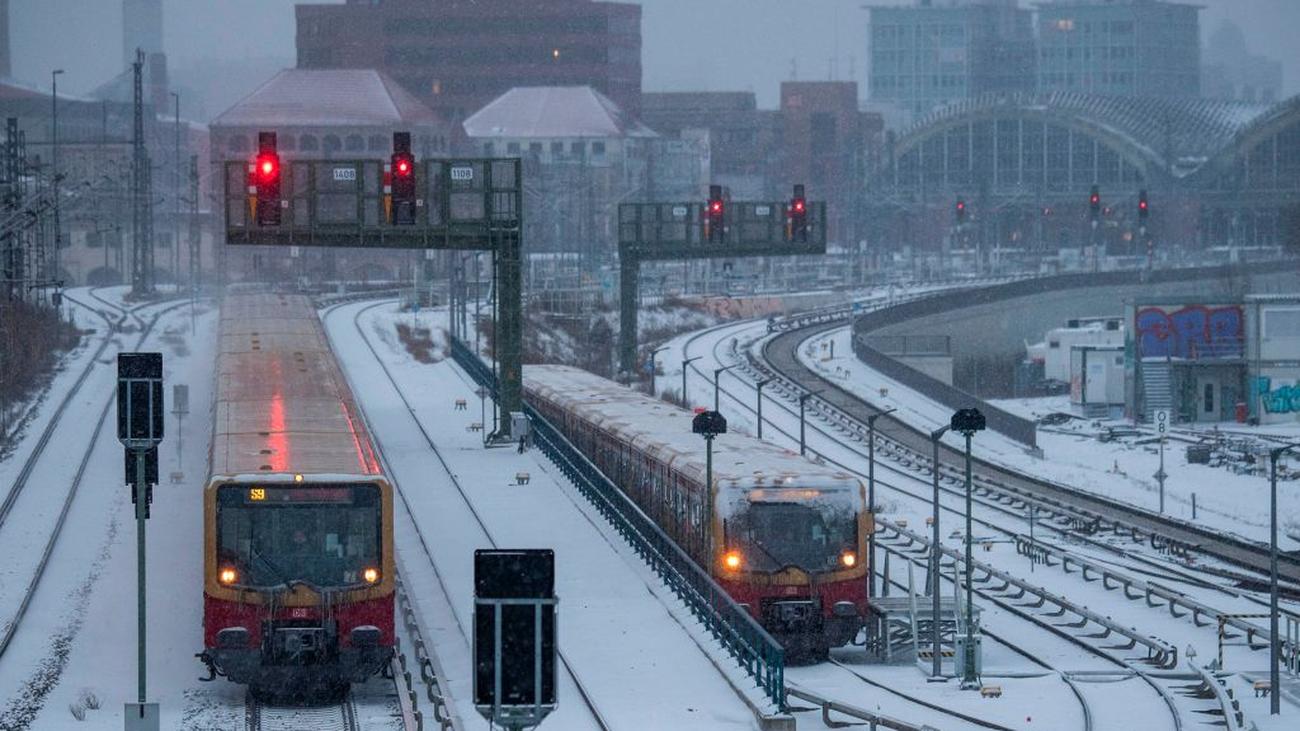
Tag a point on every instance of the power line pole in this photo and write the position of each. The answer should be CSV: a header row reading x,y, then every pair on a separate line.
x,y
176,194
141,213
196,265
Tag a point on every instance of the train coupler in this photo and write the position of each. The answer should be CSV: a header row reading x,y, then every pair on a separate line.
x,y
206,659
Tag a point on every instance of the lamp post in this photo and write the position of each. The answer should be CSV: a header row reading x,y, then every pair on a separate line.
x,y
758,388
686,362
653,368
176,191
966,422
871,498
803,401
54,164
1274,645
708,424
717,372
935,673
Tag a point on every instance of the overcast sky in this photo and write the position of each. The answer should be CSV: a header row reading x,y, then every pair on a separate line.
x,y
689,44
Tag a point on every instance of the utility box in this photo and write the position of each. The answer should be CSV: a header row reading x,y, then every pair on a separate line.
x,y
520,427
959,658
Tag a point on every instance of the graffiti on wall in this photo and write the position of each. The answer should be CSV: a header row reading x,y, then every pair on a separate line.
x,y
1191,333
1280,400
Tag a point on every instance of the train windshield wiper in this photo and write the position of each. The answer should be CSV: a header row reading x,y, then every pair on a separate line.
x,y
279,573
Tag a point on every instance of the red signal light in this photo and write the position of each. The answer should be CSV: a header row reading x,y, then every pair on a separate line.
x,y
799,206
403,167
267,166
715,207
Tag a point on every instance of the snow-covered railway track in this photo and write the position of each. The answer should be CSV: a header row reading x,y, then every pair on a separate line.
x,y
596,718
1090,512
899,461
261,716
49,452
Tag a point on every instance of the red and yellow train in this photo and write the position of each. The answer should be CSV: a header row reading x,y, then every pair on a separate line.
x,y
784,536
297,515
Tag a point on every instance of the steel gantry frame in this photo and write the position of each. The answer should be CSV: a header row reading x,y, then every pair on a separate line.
x,y
677,232
471,204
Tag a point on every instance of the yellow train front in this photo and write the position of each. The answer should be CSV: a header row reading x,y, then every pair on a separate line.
x,y
298,541
784,536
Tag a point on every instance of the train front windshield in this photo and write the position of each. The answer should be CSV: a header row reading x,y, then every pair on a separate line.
x,y
772,536
324,536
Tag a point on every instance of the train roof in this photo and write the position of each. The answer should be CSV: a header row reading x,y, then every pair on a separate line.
x,y
282,404
752,468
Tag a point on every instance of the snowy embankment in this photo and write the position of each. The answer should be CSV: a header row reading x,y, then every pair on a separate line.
x,y
1225,501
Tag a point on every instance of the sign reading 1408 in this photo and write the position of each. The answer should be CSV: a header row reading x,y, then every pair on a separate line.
x,y
462,173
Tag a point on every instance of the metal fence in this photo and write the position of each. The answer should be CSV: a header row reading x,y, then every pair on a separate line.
x,y
754,650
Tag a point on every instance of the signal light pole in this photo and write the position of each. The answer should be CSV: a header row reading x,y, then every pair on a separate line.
x,y
686,362
966,422
758,389
803,400
717,392
1274,644
936,672
871,498
1094,208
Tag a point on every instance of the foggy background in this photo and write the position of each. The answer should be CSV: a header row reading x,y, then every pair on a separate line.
x,y
224,48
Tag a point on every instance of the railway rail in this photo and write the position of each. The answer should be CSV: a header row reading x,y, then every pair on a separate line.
x,y
1086,628
42,452
1089,512
261,716
588,702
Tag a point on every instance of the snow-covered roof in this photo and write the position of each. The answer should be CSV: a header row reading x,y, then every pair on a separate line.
x,y
1186,131
327,98
551,112
744,468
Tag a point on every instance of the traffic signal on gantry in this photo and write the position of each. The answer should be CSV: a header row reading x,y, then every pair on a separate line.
x,y
797,227
402,180
715,215
264,181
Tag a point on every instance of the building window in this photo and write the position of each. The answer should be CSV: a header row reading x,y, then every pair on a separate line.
x,y
557,149
355,143
308,143
236,143
287,142
512,148
376,143
578,149
332,143
1209,398
598,149
535,149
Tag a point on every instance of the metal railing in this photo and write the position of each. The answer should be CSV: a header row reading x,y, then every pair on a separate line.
x,y
754,650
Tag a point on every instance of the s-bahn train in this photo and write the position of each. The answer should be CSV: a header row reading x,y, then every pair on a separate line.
x,y
784,536
297,516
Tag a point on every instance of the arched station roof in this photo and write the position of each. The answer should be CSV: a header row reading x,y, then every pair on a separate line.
x,y
1177,135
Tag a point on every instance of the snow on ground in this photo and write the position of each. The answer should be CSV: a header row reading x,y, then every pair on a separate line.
x,y
84,610
1225,501
781,426
642,669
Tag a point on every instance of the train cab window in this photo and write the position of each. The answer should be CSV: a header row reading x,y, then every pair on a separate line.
x,y
323,536
772,536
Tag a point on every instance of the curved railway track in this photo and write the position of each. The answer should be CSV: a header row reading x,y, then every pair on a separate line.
x,y
589,703
1086,635
781,356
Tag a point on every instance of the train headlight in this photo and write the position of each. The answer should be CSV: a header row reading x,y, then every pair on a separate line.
x,y
227,576
732,560
371,575
848,559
